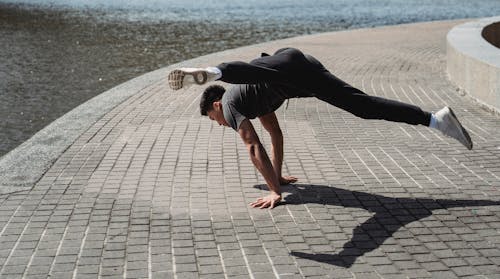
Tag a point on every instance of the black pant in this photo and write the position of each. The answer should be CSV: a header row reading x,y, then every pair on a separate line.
x,y
307,77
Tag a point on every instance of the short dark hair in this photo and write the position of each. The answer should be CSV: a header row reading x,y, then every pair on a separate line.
x,y
212,94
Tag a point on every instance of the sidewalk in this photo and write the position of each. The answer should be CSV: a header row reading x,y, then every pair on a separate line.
x,y
154,190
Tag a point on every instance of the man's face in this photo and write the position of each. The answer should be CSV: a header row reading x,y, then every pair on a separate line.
x,y
216,114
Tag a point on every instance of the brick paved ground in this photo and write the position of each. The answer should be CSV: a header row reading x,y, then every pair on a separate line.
x,y
150,191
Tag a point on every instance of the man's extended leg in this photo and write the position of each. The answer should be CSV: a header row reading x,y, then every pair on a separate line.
x,y
365,106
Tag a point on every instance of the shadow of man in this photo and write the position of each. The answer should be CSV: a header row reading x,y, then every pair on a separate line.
x,y
391,214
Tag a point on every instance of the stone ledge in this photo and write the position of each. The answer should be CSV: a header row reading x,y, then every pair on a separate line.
x,y
473,63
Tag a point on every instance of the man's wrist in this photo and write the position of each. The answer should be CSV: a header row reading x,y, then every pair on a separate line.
x,y
278,193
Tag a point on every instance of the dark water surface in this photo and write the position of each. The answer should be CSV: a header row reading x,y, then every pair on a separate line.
x,y
55,55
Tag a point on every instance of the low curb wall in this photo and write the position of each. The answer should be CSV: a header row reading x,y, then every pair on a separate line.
x,y
473,63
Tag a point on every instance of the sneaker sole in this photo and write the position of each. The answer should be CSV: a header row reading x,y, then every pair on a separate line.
x,y
464,132
176,78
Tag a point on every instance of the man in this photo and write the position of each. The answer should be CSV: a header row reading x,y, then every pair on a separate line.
x,y
266,82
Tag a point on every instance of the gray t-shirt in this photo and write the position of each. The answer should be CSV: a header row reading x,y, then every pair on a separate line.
x,y
248,101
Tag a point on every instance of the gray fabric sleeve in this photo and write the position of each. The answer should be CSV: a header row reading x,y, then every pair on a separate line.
x,y
232,116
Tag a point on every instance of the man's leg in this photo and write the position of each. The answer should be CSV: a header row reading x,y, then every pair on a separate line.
x,y
277,69
238,72
365,106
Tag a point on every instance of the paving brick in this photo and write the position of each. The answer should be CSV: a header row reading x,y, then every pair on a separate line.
x,y
443,275
236,270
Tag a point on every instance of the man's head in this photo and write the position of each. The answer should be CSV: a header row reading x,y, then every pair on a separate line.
x,y
210,104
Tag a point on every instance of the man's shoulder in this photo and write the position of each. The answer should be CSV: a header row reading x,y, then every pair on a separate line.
x,y
231,108
233,93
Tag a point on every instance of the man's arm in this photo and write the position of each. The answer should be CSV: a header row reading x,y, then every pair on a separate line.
x,y
261,161
272,126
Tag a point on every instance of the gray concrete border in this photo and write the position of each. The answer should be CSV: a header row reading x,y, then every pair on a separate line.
x,y
473,63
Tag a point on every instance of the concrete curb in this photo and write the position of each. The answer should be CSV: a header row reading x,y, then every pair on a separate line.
x,y
473,64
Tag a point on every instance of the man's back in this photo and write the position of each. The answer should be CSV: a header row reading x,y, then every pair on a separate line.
x,y
294,75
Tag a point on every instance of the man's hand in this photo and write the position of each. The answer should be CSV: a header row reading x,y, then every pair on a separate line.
x,y
270,201
284,180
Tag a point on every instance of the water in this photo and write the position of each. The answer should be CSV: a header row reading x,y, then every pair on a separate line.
x,y
55,55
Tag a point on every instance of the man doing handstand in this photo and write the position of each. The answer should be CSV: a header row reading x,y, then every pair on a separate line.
x,y
266,82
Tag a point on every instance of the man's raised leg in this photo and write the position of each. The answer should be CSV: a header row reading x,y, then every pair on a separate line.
x,y
236,72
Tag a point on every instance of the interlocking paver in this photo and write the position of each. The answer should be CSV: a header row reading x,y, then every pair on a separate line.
x,y
155,190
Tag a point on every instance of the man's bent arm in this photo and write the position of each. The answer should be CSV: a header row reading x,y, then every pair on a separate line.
x,y
259,156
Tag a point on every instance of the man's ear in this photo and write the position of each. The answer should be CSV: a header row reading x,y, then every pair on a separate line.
x,y
217,105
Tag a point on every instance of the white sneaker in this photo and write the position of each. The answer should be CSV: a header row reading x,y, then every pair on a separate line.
x,y
187,76
448,124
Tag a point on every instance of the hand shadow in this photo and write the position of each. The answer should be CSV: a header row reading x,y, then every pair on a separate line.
x,y
391,214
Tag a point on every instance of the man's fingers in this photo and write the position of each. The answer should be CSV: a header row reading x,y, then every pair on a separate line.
x,y
255,203
264,205
265,202
258,200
